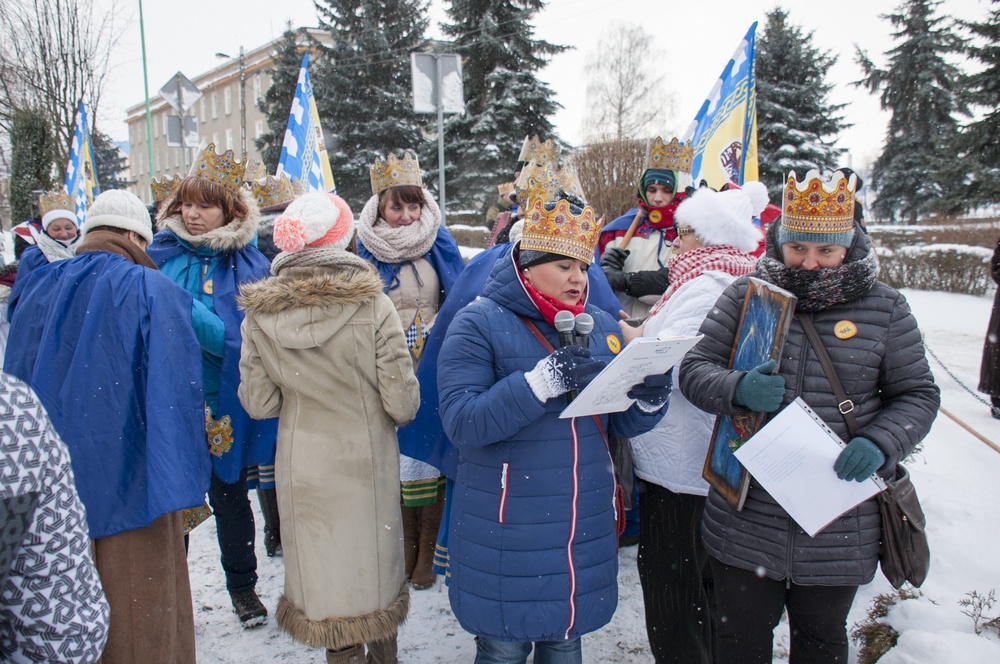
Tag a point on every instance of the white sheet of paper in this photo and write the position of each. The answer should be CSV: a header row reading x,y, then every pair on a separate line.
x,y
643,357
792,457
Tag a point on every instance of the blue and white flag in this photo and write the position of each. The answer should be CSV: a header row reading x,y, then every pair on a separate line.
x,y
81,174
303,152
724,133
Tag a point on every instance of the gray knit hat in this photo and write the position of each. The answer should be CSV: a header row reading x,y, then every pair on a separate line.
x,y
120,209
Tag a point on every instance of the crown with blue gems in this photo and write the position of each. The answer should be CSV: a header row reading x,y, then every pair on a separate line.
x,y
813,205
273,190
224,170
57,199
164,187
393,172
543,180
559,230
672,156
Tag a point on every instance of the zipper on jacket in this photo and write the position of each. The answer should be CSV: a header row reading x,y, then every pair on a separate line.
x,y
571,565
800,377
503,491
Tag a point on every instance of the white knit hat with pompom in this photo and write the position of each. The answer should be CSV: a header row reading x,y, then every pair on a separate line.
x,y
119,209
725,217
314,220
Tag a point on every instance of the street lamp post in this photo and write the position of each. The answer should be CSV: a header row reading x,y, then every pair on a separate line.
x,y
243,102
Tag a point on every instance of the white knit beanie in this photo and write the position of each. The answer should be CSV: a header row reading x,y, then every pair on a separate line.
x,y
312,221
120,209
725,217
52,215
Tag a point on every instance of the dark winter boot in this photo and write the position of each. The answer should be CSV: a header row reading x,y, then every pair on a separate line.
x,y
349,655
382,652
272,521
251,612
411,532
430,519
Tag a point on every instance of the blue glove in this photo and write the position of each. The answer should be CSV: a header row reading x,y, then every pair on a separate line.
x,y
859,460
652,392
568,368
759,390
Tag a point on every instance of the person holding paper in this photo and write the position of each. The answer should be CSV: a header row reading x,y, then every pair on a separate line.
x,y
762,561
715,230
533,555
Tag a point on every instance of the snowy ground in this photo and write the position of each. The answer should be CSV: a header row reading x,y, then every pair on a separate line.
x,y
955,474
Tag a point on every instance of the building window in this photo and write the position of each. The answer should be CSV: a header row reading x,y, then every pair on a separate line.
x,y
201,109
227,100
156,160
177,157
229,139
258,128
156,128
215,105
215,140
256,88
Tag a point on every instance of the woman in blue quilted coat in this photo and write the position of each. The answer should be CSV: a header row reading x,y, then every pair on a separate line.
x,y
533,553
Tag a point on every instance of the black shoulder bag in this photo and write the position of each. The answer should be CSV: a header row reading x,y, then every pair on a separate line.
x,y
904,554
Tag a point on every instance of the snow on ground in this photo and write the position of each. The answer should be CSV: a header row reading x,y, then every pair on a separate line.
x,y
955,475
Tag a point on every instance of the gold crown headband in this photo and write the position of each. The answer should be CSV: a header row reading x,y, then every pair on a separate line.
x,y
815,206
164,188
544,180
224,170
395,172
672,156
57,199
560,231
275,190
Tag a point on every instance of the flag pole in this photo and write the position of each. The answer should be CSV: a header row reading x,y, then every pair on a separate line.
x,y
149,117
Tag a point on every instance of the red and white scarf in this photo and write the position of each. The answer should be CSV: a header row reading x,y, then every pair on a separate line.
x,y
690,264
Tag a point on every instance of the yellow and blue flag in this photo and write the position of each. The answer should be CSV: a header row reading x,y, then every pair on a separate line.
x,y
724,132
81,173
303,152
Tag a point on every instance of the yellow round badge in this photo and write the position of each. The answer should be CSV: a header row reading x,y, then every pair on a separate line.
x,y
614,345
845,329
207,287
655,216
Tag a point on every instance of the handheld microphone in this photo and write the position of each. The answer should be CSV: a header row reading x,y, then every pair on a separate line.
x,y
564,324
584,324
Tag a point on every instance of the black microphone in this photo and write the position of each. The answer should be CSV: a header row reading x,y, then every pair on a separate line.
x,y
564,324
584,324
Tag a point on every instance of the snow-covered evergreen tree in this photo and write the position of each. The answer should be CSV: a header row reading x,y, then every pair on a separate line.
x,y
796,122
31,151
919,87
504,99
363,88
109,162
276,103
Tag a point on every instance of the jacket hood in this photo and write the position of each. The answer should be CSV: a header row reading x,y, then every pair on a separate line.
x,y
861,245
304,306
232,237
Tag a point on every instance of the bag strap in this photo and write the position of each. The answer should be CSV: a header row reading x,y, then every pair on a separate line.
x,y
845,405
549,347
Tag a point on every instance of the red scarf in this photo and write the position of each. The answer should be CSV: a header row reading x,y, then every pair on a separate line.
x,y
549,306
690,264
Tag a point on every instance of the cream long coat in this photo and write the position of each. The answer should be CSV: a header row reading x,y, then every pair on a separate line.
x,y
323,349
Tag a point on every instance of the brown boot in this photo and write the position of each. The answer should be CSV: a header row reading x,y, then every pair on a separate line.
x,y
350,655
430,518
411,533
382,652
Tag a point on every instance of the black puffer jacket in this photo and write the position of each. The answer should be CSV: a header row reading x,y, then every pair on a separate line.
x,y
884,371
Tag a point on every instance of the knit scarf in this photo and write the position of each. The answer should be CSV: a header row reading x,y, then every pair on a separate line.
x,y
690,264
821,289
404,243
549,306
100,240
55,250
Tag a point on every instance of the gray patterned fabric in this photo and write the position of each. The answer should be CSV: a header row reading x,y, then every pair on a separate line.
x,y
52,608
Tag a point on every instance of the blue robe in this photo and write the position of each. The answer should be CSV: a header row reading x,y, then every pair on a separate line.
x,y
107,346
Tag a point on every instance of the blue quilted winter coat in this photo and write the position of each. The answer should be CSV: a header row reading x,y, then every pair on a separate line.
x,y
533,550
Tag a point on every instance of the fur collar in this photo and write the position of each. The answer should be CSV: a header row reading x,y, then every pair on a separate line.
x,y
340,283
232,237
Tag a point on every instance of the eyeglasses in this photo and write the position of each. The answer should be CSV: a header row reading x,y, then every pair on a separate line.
x,y
684,230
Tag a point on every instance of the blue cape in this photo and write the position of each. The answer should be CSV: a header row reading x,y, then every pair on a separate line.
x,y
444,257
253,440
424,438
106,345
31,260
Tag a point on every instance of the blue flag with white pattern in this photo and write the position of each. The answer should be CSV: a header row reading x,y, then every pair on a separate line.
x,y
81,173
303,152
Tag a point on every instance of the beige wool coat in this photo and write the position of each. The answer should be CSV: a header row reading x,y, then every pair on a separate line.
x,y
324,351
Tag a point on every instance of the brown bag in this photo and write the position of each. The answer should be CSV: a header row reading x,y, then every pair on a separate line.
x,y
904,554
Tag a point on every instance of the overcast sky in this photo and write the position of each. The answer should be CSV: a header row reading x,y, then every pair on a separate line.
x,y
695,38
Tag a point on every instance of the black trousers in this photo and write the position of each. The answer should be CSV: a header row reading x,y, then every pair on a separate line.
x,y
675,575
750,606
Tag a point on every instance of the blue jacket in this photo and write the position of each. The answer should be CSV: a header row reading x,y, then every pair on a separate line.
x,y
533,550
106,345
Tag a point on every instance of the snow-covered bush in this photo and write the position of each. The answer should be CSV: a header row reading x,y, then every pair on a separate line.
x,y
955,268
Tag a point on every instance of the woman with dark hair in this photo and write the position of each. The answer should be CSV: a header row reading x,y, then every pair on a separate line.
x,y
206,244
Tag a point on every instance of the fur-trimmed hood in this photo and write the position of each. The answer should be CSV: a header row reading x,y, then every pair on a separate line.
x,y
232,237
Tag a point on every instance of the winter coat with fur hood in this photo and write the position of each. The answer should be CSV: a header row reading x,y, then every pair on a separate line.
x,y
324,351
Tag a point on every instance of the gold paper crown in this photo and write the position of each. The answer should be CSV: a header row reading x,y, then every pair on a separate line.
x,y
223,170
255,171
57,199
672,156
274,190
163,188
395,172
814,206
559,231
544,180
537,151
523,154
